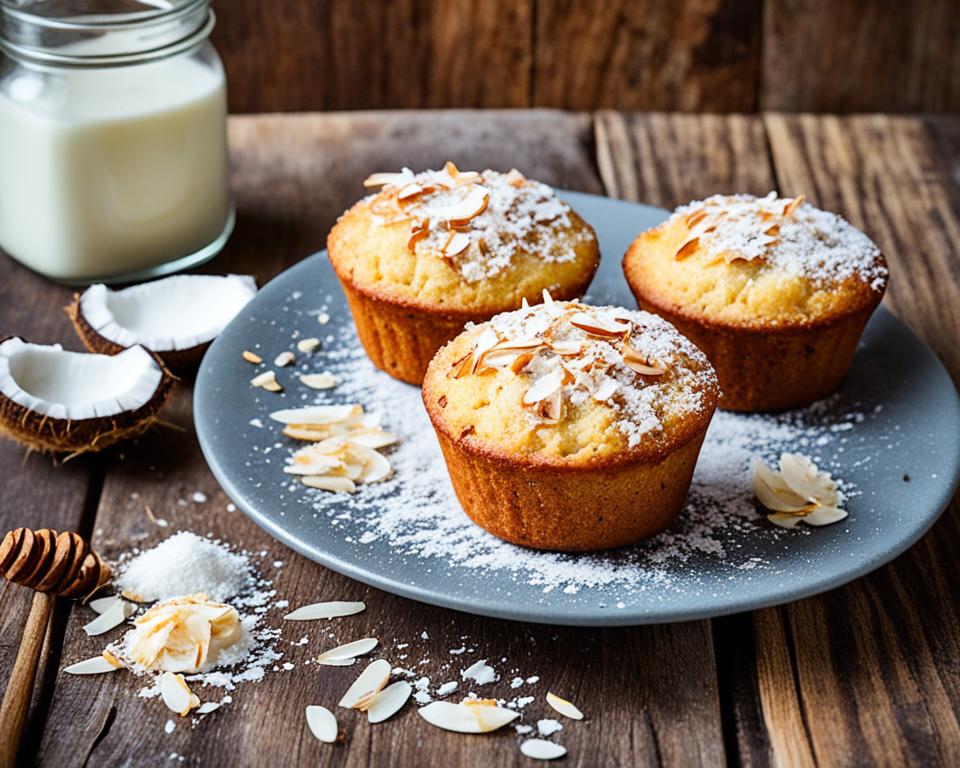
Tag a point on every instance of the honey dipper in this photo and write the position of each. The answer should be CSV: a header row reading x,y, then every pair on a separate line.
x,y
54,564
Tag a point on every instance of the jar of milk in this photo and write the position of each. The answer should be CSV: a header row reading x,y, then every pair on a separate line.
x,y
113,151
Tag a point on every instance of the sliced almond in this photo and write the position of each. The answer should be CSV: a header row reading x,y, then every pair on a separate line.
x,y
467,717
331,610
635,362
824,516
547,298
252,357
785,519
807,480
597,326
773,492
487,340
606,390
348,651
695,218
376,466
266,380
176,694
388,179
541,749
208,706
330,483
790,207
564,707
367,685
103,604
389,701
322,723
457,244
308,345
284,359
323,380
687,250
95,666
472,204
544,387
567,347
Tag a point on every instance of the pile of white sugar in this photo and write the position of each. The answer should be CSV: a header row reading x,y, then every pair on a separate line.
x,y
185,564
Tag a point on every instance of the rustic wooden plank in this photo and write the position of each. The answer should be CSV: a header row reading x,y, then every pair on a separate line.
x,y
870,673
36,491
686,56
341,54
827,56
649,693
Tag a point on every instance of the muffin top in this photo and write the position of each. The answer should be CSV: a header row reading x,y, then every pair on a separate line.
x,y
462,241
756,262
564,383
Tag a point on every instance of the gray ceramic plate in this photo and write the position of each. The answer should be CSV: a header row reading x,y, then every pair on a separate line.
x,y
892,434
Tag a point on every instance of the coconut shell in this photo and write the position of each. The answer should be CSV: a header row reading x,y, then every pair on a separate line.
x,y
182,362
50,435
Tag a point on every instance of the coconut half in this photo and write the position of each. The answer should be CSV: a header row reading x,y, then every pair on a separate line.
x,y
54,400
176,317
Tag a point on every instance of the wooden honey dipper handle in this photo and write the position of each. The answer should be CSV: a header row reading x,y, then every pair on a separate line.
x,y
53,564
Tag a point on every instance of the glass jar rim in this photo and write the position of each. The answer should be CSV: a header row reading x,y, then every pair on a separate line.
x,y
104,39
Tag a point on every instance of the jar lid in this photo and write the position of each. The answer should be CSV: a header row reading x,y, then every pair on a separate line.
x,y
101,32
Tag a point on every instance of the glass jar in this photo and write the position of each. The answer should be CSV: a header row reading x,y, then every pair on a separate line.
x,y
113,150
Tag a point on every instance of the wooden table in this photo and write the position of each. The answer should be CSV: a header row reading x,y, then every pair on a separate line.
x,y
866,674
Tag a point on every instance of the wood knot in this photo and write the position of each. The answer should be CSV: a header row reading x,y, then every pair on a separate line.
x,y
58,563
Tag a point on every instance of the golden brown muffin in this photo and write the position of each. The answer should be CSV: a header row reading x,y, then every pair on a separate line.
x,y
570,427
433,251
775,291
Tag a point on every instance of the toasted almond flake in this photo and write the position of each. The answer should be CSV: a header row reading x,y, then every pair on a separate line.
x,y
773,492
252,357
410,190
330,483
695,218
330,610
473,717
547,298
389,701
322,723
524,304
639,365
94,666
264,380
790,207
543,388
308,345
112,617
103,604
348,650
207,707
541,749
606,390
597,326
284,359
368,684
687,249
564,707
176,694
824,516
384,179
473,203
807,480
458,243
488,340
323,380
316,415
552,407
785,519
568,347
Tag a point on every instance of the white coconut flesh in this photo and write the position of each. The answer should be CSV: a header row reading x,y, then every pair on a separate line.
x,y
76,385
175,313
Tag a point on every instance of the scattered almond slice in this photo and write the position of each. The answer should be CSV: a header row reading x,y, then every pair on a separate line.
x,y
266,380
114,616
284,359
597,326
799,492
824,516
541,749
207,707
317,415
564,707
773,492
176,694
322,723
103,604
807,480
468,717
331,610
323,380
790,207
105,662
389,701
252,357
348,651
365,688
308,345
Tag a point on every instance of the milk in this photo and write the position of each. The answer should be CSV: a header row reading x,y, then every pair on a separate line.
x,y
105,172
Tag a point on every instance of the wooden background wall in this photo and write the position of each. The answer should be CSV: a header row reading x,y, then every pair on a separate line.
x,y
687,55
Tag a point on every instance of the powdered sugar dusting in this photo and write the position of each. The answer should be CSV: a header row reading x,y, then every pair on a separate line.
x,y
809,242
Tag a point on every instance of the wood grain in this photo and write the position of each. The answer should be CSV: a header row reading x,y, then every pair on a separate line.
x,y
860,56
872,671
626,54
649,693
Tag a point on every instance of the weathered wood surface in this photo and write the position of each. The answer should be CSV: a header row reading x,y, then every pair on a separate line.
x,y
688,55
293,176
867,674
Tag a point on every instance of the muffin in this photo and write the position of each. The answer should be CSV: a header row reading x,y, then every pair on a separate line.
x,y
432,251
774,291
570,427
